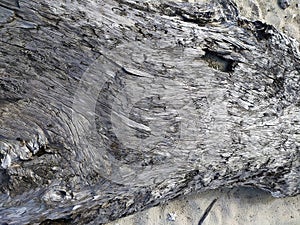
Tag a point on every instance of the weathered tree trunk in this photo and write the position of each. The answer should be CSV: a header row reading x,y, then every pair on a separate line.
x,y
109,107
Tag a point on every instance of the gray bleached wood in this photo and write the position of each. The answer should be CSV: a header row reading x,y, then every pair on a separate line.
x,y
111,107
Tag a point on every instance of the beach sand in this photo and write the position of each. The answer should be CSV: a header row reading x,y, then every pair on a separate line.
x,y
239,206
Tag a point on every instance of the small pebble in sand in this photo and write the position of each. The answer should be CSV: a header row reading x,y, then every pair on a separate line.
x,y
171,216
284,3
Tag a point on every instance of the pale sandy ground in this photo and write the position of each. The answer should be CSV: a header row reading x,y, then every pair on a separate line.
x,y
233,207
237,206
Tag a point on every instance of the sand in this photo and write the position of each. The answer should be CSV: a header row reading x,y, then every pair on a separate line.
x,y
243,206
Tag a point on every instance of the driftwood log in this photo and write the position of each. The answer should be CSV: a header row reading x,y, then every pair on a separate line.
x,y
109,107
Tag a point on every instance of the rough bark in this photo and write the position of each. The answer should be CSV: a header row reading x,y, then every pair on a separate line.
x,y
110,107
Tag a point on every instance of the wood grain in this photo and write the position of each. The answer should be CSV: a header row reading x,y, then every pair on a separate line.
x,y
111,107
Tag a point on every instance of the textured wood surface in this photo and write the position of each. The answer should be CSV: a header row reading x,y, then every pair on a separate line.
x,y
114,106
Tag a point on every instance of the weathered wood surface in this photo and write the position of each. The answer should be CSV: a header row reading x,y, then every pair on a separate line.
x,y
110,107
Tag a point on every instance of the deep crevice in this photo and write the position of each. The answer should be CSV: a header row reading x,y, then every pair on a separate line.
x,y
4,179
217,61
60,221
262,30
